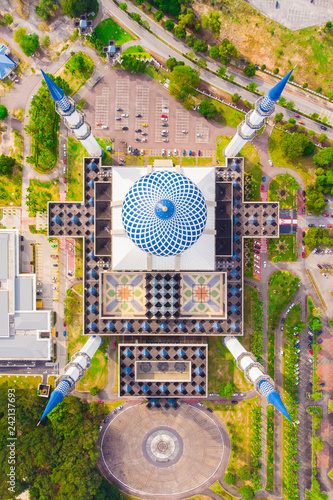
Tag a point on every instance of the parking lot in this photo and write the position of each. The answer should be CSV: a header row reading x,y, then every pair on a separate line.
x,y
324,283
145,101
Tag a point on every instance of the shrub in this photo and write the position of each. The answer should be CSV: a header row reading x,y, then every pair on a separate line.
x,y
319,90
305,85
190,40
200,45
278,117
46,41
276,71
263,67
94,391
291,78
207,109
221,72
214,52
179,31
292,121
123,6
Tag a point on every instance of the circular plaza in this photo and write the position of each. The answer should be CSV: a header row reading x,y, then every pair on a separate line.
x,y
159,452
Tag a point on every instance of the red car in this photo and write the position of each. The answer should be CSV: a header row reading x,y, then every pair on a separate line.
x,y
114,344
329,225
64,160
325,215
64,323
164,116
311,352
262,187
100,402
193,153
303,255
297,116
64,179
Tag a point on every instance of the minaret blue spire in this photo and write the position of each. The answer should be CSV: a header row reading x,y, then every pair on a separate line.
x,y
274,94
273,397
57,94
56,397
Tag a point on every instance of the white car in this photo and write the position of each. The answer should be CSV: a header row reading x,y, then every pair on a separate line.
x,y
235,394
175,152
124,115
185,131
199,135
281,352
270,162
54,288
163,152
200,404
265,263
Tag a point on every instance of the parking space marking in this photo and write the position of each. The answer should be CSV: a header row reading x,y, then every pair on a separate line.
x,y
102,109
122,101
162,107
142,108
203,130
182,123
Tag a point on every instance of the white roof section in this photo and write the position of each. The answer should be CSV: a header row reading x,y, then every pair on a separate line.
x,y
25,347
4,314
24,286
126,256
3,256
32,320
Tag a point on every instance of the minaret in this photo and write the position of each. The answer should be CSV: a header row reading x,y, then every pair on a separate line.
x,y
74,119
255,119
73,372
255,373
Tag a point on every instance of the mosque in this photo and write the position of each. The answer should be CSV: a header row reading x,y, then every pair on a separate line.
x,y
163,264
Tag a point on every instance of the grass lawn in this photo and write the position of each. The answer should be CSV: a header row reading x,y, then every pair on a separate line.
x,y
97,374
205,162
330,406
75,155
249,294
138,51
137,161
302,164
10,188
248,258
74,77
51,380
282,286
18,114
107,156
160,75
238,420
228,116
40,193
79,259
283,249
217,488
22,381
110,30
252,170
221,142
283,189
189,161
222,367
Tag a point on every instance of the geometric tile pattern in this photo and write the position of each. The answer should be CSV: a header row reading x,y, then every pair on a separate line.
x,y
193,356
163,295
203,294
123,294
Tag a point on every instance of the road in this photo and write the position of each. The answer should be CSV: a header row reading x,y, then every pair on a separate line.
x,y
165,44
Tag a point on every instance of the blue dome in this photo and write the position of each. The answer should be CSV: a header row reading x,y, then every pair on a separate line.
x,y
164,213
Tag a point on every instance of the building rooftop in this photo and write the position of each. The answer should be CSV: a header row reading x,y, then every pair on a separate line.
x,y
6,63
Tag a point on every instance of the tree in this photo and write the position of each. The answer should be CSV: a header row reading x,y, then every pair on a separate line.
x,y
235,98
132,64
205,22
183,81
282,101
200,45
294,145
214,52
6,164
226,390
202,63
247,492
3,112
45,9
94,391
169,25
187,18
221,72
18,34
74,8
315,200
179,31
322,138
136,17
29,43
244,473
207,109
214,22
278,117
190,40
227,51
230,478
323,157
172,62
158,15
328,25
252,86
292,121
123,6
79,65
290,105
249,70
46,41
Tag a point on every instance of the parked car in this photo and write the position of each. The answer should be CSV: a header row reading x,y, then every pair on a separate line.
x,y
311,352
320,341
64,333
283,320
184,152
106,419
145,124
118,109
270,163
323,127
263,179
100,402
138,130
124,128
303,255
164,116
234,402
209,409
322,384
138,116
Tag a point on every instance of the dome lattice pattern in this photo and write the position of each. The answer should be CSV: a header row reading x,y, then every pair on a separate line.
x,y
164,213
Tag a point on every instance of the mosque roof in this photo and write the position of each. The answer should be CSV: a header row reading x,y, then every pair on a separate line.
x,y
164,213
